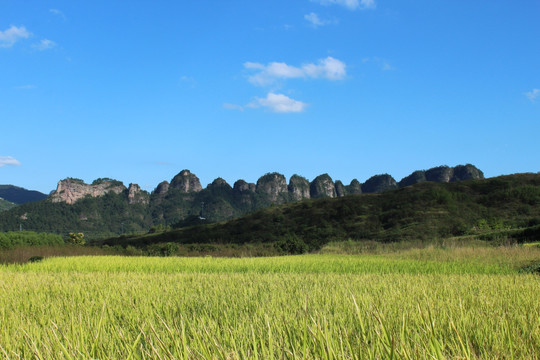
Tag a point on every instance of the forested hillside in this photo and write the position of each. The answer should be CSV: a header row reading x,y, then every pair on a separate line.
x,y
106,207
505,208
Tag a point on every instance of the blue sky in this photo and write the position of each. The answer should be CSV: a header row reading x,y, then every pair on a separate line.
x,y
139,90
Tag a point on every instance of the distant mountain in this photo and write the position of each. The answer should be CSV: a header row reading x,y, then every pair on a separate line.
x,y
18,195
107,207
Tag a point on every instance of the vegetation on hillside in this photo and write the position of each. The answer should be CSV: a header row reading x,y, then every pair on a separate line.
x,y
13,239
506,208
5,205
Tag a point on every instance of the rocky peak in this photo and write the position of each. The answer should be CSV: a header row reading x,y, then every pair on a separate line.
x,y
186,182
241,186
272,185
354,187
162,188
137,196
322,186
415,178
244,193
70,190
220,182
443,174
466,172
379,183
340,189
298,188
439,174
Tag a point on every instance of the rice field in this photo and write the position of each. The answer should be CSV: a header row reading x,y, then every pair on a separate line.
x,y
415,304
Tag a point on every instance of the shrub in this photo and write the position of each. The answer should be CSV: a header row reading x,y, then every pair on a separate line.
x,y
292,244
76,238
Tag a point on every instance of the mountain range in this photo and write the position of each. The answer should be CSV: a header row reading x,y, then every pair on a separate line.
x,y
107,207
499,210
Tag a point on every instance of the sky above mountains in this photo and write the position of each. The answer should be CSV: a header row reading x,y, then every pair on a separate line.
x,y
138,91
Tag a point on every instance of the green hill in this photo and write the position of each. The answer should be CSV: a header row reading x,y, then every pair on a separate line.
x,y
18,195
501,208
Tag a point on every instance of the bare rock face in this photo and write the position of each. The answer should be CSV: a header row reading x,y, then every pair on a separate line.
x,y
340,189
466,172
137,196
440,174
322,186
443,174
298,188
243,193
162,188
379,183
70,190
186,182
242,186
273,186
354,187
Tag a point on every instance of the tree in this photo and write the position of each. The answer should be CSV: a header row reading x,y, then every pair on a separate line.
x,y
76,238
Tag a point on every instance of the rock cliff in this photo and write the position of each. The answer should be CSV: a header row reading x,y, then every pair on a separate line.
x,y
439,174
171,203
162,188
298,188
340,189
137,196
243,193
70,190
379,183
466,172
186,182
443,174
322,186
354,187
415,178
274,187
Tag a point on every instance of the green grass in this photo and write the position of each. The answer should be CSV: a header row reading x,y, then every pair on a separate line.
x,y
409,304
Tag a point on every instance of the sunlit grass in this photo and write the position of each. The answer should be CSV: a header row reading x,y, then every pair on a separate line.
x,y
398,305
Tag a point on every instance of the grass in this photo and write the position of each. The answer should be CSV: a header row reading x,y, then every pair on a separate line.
x,y
432,303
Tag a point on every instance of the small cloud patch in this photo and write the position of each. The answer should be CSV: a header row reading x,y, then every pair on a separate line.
x,y
316,21
279,103
349,4
9,160
10,36
533,94
44,44
328,68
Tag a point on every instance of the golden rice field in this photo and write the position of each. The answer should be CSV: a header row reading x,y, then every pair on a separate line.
x,y
459,303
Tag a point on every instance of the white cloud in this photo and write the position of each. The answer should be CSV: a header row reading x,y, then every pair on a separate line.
x,y
315,20
329,68
44,44
278,103
233,107
533,94
57,13
349,4
8,160
12,35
